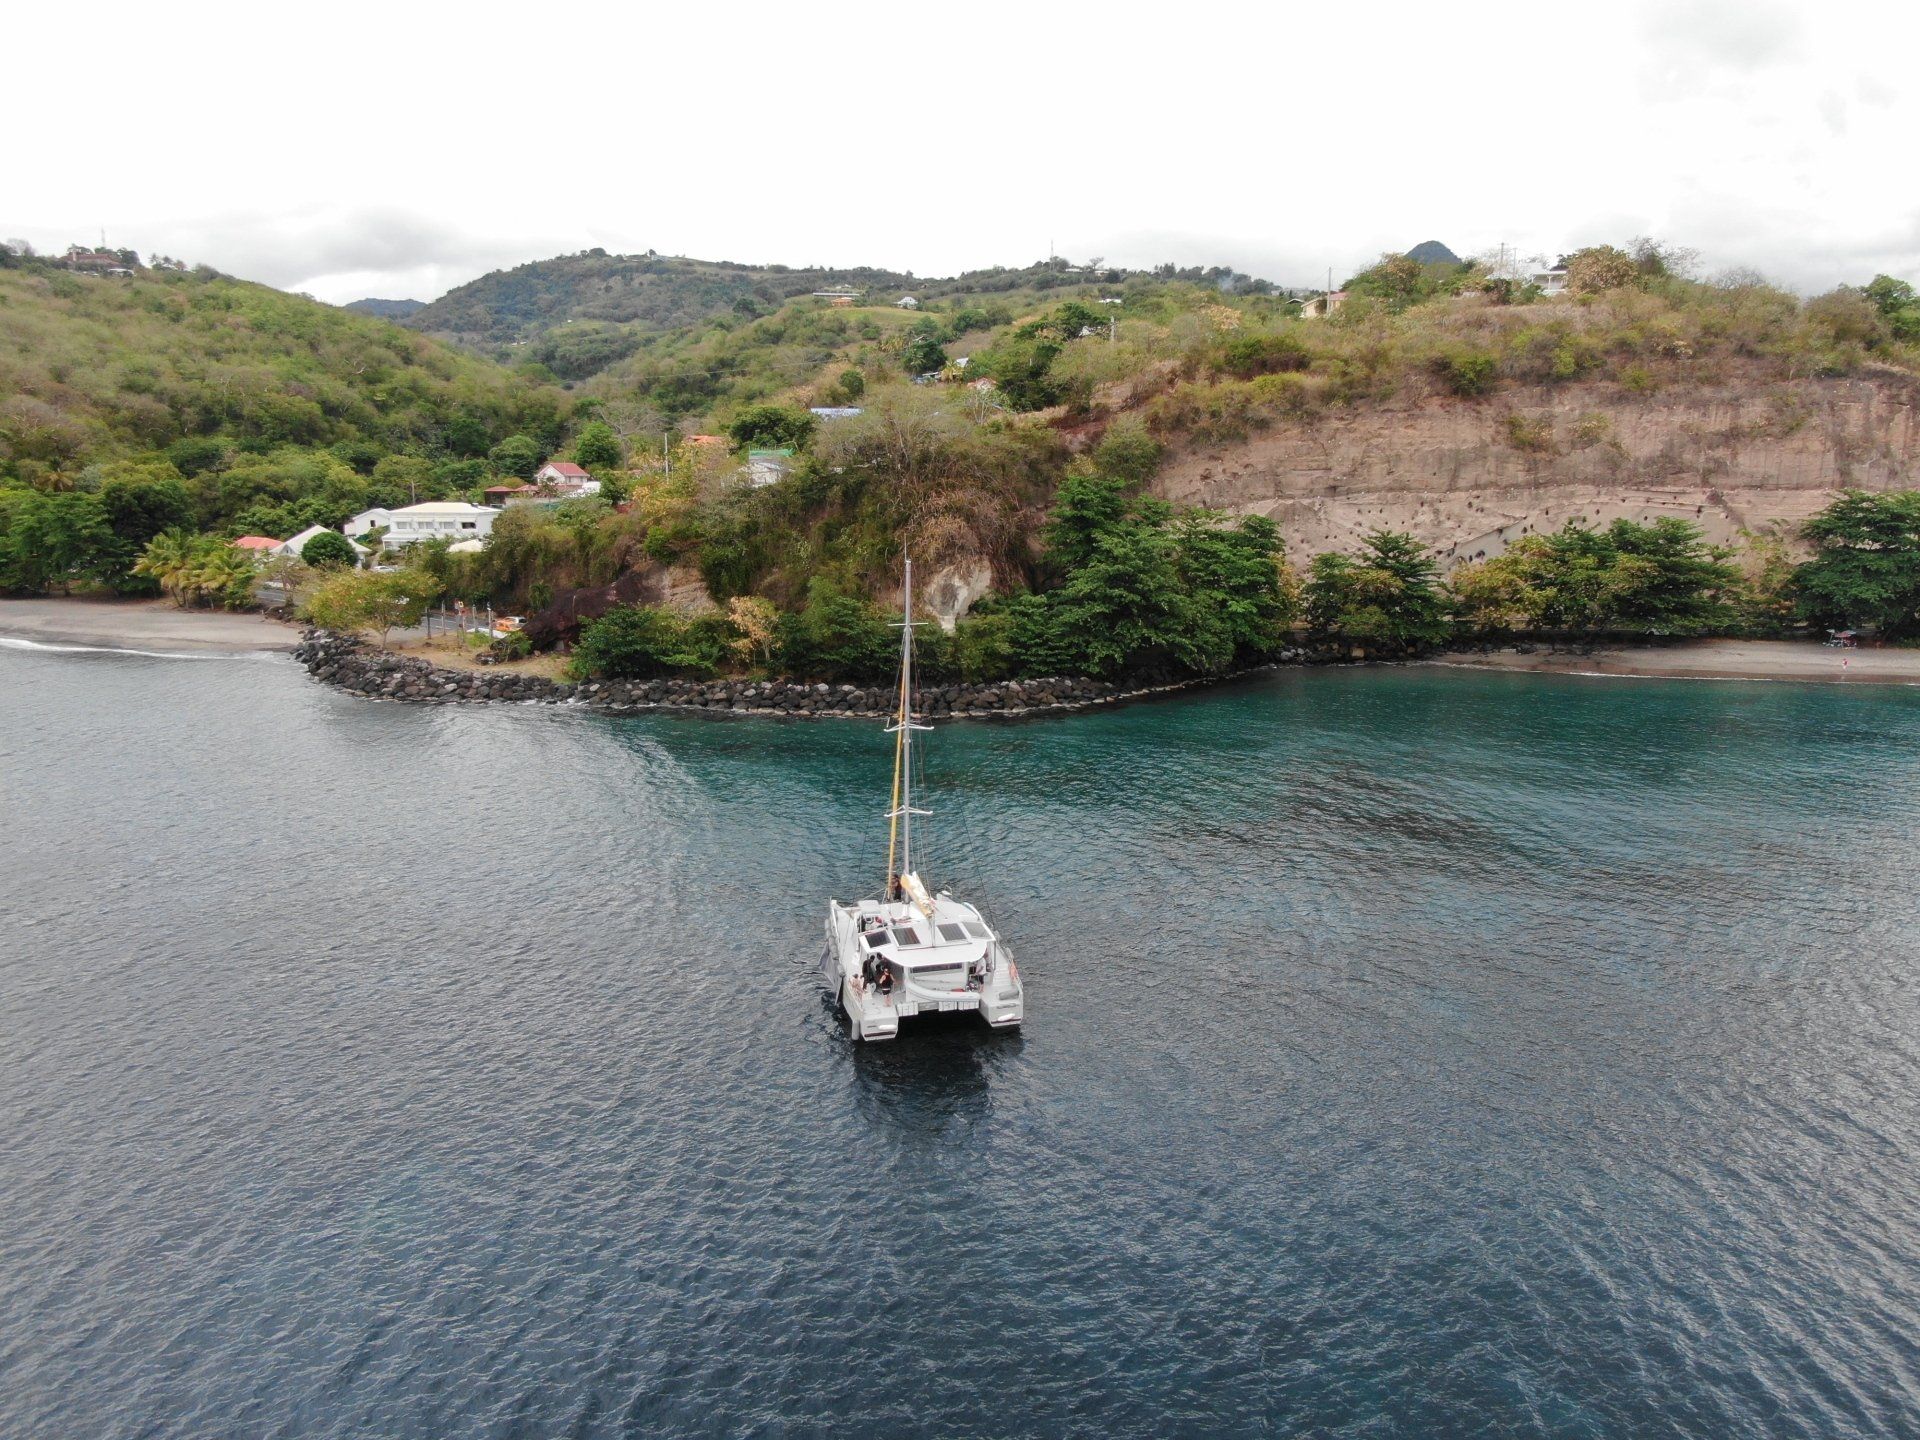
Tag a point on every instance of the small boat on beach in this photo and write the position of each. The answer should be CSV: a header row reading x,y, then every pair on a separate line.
x,y
914,951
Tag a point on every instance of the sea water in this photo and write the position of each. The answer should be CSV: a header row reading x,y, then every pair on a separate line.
x,y
1409,1052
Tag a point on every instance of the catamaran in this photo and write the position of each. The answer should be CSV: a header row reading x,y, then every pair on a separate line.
x,y
915,951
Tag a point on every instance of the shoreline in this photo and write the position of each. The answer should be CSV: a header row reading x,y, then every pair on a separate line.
x,y
160,629
141,627
1796,661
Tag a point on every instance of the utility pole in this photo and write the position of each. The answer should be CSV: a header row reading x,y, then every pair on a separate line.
x,y
666,456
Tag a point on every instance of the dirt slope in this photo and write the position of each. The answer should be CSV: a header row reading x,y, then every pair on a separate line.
x,y
1468,476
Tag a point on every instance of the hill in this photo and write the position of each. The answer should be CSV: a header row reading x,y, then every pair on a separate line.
x,y
246,396
578,314
385,309
1432,252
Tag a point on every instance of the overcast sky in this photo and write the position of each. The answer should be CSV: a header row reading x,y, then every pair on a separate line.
x,y
379,149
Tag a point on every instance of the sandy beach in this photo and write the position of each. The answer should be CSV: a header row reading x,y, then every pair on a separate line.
x,y
153,626
1714,660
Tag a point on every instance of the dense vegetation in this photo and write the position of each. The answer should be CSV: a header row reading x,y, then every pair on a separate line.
x,y
578,314
170,399
1009,427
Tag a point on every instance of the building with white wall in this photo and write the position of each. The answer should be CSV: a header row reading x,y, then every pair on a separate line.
x,y
429,520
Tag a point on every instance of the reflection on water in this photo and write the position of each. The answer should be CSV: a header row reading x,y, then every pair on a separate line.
x,y
1409,1053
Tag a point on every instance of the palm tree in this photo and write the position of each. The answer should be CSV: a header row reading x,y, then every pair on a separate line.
x,y
224,574
169,558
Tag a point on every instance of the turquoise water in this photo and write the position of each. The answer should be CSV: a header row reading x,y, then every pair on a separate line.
x,y
1410,1052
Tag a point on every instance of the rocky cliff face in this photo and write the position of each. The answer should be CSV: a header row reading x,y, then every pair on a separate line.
x,y
1469,476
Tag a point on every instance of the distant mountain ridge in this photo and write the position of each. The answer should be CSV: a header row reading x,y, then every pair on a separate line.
x,y
385,309
580,313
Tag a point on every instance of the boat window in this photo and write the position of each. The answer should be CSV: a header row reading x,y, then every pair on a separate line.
x,y
905,935
940,977
978,931
952,934
875,939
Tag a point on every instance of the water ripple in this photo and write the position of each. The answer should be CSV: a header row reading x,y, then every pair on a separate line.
x,y
1411,1053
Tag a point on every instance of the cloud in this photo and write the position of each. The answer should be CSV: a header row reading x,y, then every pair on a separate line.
x,y
1740,35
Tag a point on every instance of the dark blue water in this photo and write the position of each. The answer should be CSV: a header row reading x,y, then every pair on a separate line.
x,y
1410,1053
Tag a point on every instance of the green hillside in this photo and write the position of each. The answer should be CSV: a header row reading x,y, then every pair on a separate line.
x,y
578,314
251,409
385,309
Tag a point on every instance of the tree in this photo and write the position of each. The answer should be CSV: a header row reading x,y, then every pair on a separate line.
x,y
517,455
168,561
1492,596
1231,573
596,446
1865,569
837,637
1125,610
1664,579
1898,305
636,642
136,510
223,574
772,427
1085,508
1600,267
358,600
758,623
1383,598
191,567
288,575
923,355
51,540
329,550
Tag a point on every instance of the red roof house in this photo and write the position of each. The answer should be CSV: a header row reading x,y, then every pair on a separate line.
x,y
259,544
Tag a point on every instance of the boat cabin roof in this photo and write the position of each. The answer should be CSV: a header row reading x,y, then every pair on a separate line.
x,y
903,928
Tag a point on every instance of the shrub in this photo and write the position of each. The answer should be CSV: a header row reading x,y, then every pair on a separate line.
x,y
329,550
1598,268
639,642
772,427
514,645
1127,452
1467,372
1531,433
1247,356
837,637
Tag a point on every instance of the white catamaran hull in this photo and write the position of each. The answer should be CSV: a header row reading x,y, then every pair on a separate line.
x,y
975,975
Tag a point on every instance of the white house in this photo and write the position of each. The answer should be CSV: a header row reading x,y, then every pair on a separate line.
x,y
907,302
567,478
429,520
298,543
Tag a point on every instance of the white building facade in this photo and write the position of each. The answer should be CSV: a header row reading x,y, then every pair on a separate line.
x,y
430,520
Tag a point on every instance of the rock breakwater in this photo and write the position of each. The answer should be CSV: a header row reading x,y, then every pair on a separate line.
x,y
361,669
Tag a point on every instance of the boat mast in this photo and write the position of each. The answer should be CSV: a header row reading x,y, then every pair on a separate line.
x,y
900,816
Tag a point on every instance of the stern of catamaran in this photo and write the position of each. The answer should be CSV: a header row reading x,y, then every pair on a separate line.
x,y
896,959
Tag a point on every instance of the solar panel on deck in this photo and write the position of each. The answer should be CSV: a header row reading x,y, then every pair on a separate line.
x,y
905,935
951,933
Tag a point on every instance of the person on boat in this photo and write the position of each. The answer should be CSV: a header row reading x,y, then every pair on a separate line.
x,y
896,892
886,978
